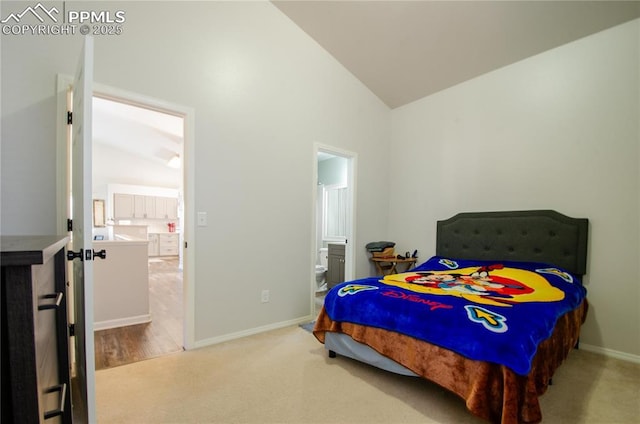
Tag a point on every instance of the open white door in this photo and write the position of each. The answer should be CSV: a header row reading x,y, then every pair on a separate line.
x,y
81,235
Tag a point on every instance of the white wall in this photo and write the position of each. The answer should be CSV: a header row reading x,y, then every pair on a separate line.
x,y
263,94
556,131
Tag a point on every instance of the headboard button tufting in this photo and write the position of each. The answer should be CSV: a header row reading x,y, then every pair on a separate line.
x,y
540,235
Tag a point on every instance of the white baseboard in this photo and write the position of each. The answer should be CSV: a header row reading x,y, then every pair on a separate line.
x,y
121,322
251,331
611,353
220,339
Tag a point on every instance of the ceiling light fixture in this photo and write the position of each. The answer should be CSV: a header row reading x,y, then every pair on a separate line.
x,y
174,162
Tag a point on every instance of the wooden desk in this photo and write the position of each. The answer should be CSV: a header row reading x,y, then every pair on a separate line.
x,y
387,266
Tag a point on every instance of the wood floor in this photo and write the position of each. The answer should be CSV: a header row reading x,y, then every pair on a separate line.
x,y
163,335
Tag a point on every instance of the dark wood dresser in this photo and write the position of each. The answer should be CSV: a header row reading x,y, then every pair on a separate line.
x,y
35,342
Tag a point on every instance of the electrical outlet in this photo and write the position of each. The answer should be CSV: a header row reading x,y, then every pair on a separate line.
x,y
265,296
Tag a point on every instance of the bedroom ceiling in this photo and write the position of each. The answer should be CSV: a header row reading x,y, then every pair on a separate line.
x,y
406,50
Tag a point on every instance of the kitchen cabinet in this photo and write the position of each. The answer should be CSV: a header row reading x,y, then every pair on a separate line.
x,y
121,284
169,244
138,206
166,208
36,385
154,244
335,264
144,207
123,206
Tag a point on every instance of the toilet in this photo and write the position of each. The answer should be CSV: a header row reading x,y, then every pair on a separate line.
x,y
321,269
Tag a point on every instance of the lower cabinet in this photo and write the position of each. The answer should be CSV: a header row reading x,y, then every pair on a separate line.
x,y
335,264
154,244
169,244
35,340
164,244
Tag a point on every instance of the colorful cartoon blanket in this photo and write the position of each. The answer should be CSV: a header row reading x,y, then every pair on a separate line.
x,y
488,311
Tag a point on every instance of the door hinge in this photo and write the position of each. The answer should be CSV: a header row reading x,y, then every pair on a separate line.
x,y
69,224
72,330
69,117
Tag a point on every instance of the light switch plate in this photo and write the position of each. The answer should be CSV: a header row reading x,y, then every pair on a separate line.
x,y
202,219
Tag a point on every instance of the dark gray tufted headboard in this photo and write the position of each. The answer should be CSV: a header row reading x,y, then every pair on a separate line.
x,y
534,236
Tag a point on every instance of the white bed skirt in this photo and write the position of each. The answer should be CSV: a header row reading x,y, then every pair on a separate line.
x,y
344,345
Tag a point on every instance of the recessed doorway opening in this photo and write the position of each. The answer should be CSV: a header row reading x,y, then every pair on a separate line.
x,y
137,173
334,224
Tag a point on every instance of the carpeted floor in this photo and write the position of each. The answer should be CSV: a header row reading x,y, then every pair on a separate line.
x,y
285,376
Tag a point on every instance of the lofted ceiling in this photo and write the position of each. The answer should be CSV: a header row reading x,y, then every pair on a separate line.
x,y
401,50
405,50
145,133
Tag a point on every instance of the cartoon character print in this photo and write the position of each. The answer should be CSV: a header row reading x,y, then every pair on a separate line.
x,y
480,282
491,285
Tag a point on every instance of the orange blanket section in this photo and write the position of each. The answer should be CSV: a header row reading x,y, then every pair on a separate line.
x,y
491,391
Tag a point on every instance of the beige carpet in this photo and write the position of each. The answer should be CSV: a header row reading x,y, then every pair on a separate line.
x,y
285,376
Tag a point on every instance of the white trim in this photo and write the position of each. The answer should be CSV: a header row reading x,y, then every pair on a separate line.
x,y
188,114
611,353
64,82
252,331
314,227
121,322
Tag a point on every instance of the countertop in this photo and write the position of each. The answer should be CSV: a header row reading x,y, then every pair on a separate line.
x,y
122,240
27,250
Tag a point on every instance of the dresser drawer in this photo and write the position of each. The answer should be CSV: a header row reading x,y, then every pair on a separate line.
x,y
35,357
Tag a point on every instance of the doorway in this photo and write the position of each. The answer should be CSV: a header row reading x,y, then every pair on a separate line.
x,y
136,156
64,84
333,223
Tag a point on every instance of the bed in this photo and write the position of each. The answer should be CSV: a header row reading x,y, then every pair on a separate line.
x,y
495,275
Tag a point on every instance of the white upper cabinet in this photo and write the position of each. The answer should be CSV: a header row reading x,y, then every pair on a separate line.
x,y
134,206
123,206
144,207
166,208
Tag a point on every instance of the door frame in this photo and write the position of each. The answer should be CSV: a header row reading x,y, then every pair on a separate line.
x,y
352,160
188,177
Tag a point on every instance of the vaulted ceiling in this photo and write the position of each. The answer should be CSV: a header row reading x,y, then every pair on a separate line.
x,y
405,50
401,50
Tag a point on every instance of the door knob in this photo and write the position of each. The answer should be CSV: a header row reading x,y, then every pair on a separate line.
x,y
71,255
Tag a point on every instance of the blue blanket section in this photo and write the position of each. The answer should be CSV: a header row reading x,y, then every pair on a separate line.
x,y
488,311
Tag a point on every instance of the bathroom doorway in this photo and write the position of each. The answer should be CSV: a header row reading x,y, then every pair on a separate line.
x,y
334,222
